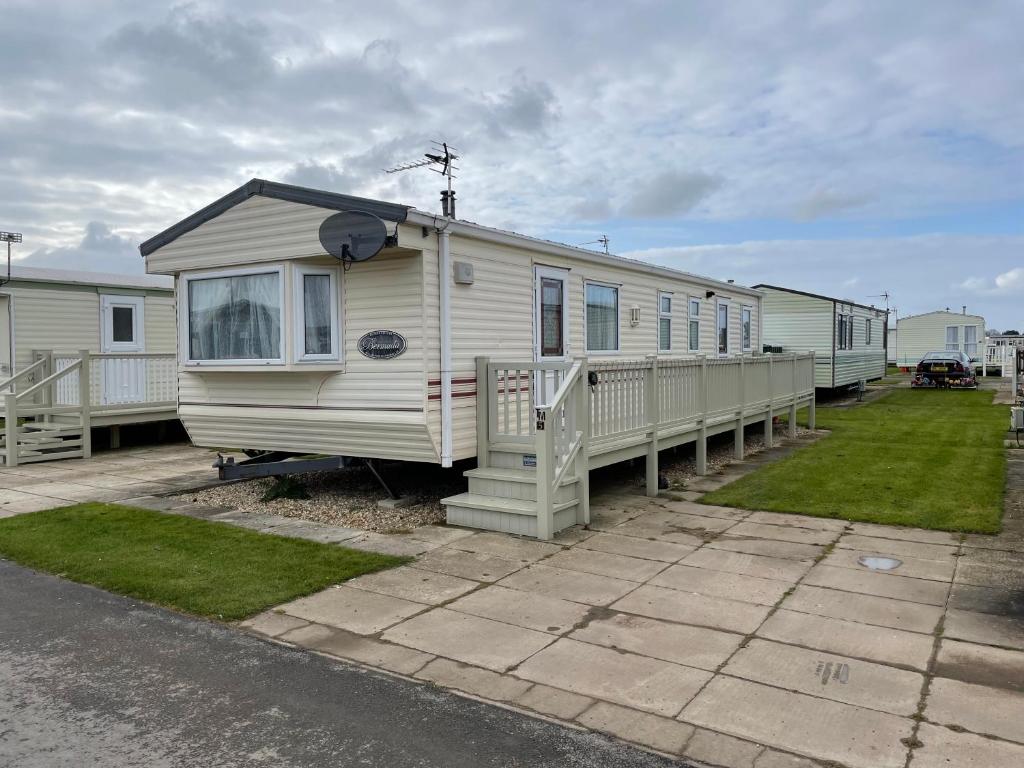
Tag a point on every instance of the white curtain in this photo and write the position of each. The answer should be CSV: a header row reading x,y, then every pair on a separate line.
x,y
971,340
602,318
316,303
235,318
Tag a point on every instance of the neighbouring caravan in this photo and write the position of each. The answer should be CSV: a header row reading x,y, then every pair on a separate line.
x,y
848,339
124,325
915,335
284,348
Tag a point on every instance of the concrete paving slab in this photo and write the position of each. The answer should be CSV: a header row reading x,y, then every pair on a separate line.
x,y
997,576
35,504
772,758
866,609
523,609
797,521
847,638
469,639
747,589
631,546
400,546
338,642
415,584
273,623
57,489
670,526
985,628
783,533
689,608
747,565
503,545
904,534
786,550
990,600
943,748
868,582
468,565
355,610
605,519
660,733
605,564
839,678
911,566
703,510
554,702
899,548
679,643
713,748
588,588
439,534
977,708
818,728
473,680
623,678
981,664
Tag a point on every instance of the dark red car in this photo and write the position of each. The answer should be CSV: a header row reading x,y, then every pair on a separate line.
x,y
945,369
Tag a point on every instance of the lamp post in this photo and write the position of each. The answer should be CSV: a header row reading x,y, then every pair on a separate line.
x,y
9,238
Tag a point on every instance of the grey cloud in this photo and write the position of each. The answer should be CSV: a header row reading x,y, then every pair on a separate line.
x,y
525,107
100,250
670,193
825,202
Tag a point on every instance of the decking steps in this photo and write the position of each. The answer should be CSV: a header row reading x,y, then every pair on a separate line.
x,y
494,513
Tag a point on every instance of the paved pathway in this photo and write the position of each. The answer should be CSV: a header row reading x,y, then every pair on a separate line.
x,y
92,679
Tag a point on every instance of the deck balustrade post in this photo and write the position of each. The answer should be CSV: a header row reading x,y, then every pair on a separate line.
x,y
702,435
85,403
583,455
653,417
740,414
771,391
50,396
483,394
11,429
792,407
545,448
814,393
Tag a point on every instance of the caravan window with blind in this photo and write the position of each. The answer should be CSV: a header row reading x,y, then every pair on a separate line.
x,y
746,329
664,322
602,317
694,329
316,314
236,317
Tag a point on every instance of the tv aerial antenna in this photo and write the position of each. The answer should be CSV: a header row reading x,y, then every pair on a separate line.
x,y
9,238
440,160
603,240
883,295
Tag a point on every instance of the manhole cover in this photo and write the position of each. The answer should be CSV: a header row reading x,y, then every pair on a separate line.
x,y
879,563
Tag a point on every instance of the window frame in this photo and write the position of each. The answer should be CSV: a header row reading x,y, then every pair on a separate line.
x,y
747,327
692,317
298,314
560,274
618,318
956,343
662,315
184,328
719,303
867,331
111,301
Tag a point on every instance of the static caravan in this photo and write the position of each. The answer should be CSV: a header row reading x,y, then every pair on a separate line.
x,y
282,347
848,339
56,323
916,335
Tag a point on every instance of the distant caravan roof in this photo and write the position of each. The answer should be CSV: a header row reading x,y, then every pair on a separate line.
x,y
82,277
401,213
940,312
819,296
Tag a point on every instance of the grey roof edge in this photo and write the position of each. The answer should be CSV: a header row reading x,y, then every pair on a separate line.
x,y
940,312
315,197
819,296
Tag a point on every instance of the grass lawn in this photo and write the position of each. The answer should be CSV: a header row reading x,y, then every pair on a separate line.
x,y
928,458
210,569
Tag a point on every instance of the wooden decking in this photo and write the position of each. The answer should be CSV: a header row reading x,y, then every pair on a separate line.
x,y
541,427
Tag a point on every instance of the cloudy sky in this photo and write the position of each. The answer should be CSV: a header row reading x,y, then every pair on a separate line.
x,y
840,147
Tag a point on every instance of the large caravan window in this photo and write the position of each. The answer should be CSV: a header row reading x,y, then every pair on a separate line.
x,y
602,318
723,328
971,340
952,338
235,317
316,314
746,328
664,322
694,329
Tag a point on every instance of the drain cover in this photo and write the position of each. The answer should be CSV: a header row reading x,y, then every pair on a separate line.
x,y
879,563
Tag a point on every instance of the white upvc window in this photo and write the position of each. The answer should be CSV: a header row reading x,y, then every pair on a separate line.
x,y
867,332
745,326
316,304
952,338
971,340
601,317
234,317
664,322
722,327
693,331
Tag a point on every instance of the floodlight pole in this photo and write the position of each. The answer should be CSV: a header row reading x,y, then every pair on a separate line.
x,y
9,238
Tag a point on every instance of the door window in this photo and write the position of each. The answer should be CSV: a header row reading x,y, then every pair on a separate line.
x,y
552,317
723,328
123,322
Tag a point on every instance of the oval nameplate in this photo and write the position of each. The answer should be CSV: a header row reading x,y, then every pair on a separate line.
x,y
382,345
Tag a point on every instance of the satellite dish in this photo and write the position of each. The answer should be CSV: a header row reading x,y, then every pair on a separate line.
x,y
353,235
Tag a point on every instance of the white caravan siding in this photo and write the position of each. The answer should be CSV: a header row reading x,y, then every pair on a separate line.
x,y
864,361
919,334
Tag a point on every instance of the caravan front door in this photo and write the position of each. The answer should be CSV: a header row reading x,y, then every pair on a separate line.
x,y
122,323
551,321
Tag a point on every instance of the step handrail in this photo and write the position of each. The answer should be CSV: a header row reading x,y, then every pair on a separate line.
x,y
563,390
23,372
51,378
